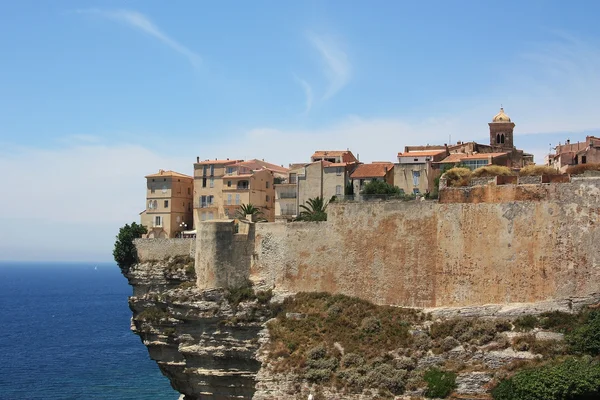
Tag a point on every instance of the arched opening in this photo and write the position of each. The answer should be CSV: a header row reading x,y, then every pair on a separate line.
x,y
502,138
497,138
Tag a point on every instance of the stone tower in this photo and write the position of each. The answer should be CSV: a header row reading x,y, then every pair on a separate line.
x,y
501,131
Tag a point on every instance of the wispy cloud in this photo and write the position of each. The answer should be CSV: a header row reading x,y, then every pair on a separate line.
x,y
335,61
142,23
308,93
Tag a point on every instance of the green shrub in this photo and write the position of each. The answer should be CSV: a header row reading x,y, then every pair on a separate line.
x,y
439,383
571,379
152,314
387,377
525,323
560,321
240,294
492,170
380,187
585,338
536,170
125,253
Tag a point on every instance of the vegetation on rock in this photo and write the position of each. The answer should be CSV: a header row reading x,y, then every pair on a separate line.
x,y
492,170
458,176
536,170
439,383
380,187
125,253
581,168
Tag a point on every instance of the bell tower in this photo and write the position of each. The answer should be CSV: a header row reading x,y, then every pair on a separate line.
x,y
501,131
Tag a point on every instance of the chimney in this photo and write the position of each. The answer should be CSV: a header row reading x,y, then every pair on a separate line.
x,y
357,157
227,159
197,159
568,141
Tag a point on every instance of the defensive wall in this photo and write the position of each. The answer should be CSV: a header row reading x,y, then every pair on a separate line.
x,y
422,253
160,249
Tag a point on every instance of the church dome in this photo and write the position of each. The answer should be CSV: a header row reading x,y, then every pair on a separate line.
x,y
501,117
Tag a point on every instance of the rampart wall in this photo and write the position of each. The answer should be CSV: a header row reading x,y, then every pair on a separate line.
x,y
160,249
503,249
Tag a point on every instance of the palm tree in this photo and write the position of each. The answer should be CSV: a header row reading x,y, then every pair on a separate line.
x,y
250,209
314,210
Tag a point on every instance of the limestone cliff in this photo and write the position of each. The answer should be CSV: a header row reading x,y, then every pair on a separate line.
x,y
214,344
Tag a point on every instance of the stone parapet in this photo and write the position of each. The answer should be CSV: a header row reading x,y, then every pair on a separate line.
x,y
160,249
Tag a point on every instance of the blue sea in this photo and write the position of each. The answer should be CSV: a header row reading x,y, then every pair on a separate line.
x,y
64,334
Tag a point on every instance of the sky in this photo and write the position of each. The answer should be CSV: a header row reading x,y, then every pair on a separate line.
x,y
96,95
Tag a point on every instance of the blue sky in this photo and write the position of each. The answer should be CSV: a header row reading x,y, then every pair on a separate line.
x,y
95,95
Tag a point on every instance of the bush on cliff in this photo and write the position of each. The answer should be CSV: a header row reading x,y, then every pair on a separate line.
x,y
125,253
380,187
536,170
569,379
581,168
458,176
439,383
585,337
492,170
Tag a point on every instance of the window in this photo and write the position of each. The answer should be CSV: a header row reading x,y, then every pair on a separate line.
x,y
212,169
189,191
416,191
212,182
178,219
150,205
583,159
228,183
415,159
157,221
293,179
210,215
338,190
474,164
210,200
164,189
338,171
229,170
361,183
497,138
203,182
416,175
166,203
202,201
229,199
268,198
237,199
189,206
155,204
204,169
203,216
502,138
152,188
267,184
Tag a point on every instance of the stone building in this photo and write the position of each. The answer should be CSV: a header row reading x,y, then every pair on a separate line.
x,y
366,173
568,154
286,194
222,186
168,204
415,172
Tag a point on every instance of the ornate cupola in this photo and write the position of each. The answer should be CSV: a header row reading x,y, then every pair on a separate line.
x,y
501,131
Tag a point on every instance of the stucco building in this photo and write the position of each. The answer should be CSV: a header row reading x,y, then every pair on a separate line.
x,y
168,204
366,173
414,172
568,154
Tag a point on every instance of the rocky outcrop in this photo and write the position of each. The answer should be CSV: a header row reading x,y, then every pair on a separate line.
x,y
205,345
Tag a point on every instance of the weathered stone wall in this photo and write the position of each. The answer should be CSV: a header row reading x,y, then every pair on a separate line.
x,y
160,249
543,246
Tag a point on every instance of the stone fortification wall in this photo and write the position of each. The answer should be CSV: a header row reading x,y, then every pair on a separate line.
x,y
160,249
430,254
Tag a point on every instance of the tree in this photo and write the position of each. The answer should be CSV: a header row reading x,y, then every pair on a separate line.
x,y
313,210
250,209
125,253
349,189
380,187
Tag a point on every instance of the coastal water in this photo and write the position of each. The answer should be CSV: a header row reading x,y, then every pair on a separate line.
x,y
64,334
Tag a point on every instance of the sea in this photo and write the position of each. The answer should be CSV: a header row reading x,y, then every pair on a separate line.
x,y
64,334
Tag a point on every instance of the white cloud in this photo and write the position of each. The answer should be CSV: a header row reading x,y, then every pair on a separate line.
x,y
69,203
142,23
308,94
336,65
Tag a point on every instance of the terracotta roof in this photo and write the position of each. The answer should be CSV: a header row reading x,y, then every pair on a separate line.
x,y
375,170
421,153
297,165
458,157
259,164
163,173
216,162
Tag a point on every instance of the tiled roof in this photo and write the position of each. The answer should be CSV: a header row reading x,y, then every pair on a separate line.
x,y
259,164
421,153
458,157
162,173
216,162
375,170
297,165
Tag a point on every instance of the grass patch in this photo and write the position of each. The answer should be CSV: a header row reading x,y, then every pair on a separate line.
x,y
458,176
492,170
537,170
581,168
439,383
